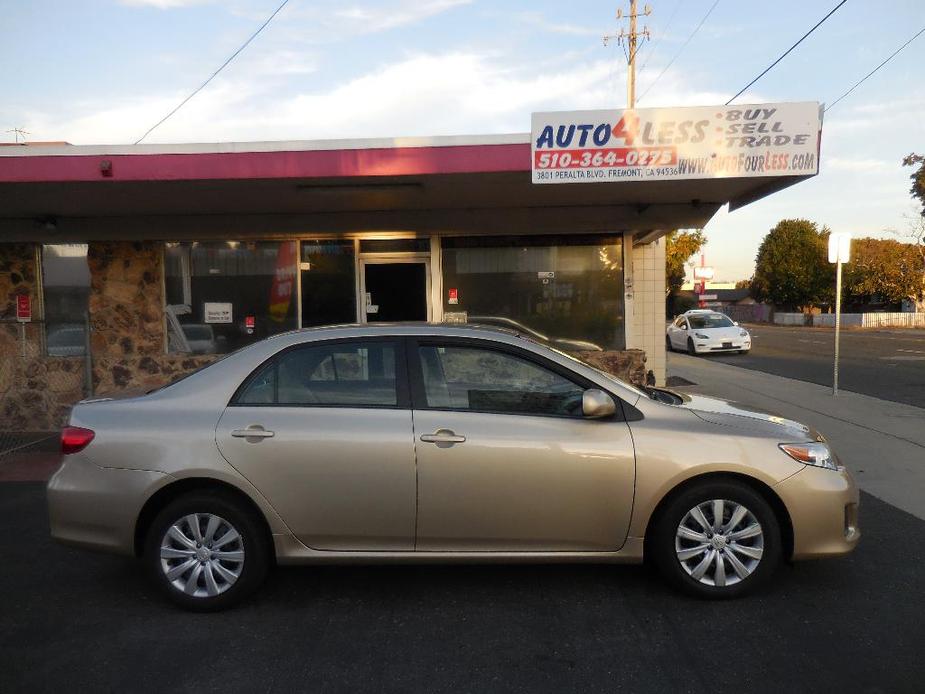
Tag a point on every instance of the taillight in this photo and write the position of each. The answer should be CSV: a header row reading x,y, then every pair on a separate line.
x,y
74,439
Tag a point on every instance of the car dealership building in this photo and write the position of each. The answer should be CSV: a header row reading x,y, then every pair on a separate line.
x,y
124,266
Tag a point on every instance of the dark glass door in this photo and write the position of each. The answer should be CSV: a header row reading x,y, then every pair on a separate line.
x,y
396,292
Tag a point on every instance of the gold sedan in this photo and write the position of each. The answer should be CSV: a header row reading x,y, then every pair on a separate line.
x,y
439,444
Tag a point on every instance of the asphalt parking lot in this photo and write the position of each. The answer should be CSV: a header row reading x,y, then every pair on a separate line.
x,y
77,621
887,364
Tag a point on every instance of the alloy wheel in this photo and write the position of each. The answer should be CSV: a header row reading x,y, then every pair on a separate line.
x,y
719,543
202,555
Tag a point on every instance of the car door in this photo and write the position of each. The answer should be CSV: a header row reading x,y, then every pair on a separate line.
x,y
679,334
323,430
506,461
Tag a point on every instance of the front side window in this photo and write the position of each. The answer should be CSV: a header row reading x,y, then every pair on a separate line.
x,y
66,285
486,380
349,374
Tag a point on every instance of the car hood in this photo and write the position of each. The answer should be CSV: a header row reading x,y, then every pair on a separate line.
x,y
733,414
718,333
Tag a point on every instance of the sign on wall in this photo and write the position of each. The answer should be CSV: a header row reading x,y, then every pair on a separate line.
x,y
659,144
23,308
216,312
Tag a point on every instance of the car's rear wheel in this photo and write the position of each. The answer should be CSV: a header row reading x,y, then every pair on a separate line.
x,y
690,347
717,540
206,551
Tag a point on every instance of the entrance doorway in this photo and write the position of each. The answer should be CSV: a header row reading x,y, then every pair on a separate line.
x,y
394,290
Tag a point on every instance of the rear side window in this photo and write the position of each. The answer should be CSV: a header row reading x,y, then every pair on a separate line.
x,y
343,374
486,380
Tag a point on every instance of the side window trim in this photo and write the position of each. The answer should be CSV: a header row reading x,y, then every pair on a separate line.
x,y
416,374
402,389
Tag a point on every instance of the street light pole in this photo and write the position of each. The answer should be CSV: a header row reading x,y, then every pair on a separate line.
x,y
839,252
837,325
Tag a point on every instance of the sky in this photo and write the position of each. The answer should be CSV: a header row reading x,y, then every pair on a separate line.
x,y
104,71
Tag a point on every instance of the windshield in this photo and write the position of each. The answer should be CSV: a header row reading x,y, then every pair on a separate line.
x,y
709,320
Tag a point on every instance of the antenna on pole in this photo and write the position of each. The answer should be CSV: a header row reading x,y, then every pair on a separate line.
x,y
630,40
19,132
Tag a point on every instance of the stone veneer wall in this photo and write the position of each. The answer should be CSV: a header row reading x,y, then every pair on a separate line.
x,y
628,365
36,391
127,328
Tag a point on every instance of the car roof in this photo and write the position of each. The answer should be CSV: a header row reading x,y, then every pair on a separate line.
x,y
405,328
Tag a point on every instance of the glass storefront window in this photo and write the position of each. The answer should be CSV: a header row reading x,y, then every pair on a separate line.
x,y
565,289
66,285
328,283
223,295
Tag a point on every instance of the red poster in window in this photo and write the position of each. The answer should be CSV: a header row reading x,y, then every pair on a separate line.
x,y
23,308
283,282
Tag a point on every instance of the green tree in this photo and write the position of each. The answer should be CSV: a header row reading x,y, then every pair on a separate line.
x,y
884,267
918,177
792,269
679,247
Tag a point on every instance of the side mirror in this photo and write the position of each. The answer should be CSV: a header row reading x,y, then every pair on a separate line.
x,y
596,404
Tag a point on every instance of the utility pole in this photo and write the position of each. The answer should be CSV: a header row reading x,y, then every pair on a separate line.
x,y
630,41
839,252
17,132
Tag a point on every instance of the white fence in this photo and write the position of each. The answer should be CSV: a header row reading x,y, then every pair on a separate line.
x,y
855,320
790,318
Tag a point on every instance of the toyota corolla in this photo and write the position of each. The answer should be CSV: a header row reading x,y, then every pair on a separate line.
x,y
437,443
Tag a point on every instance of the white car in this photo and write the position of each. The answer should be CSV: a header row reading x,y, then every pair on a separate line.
x,y
702,331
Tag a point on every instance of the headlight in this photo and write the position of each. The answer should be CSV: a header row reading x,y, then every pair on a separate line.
x,y
818,454
743,333
702,336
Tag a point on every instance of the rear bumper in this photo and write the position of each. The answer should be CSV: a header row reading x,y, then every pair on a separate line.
x,y
96,507
823,507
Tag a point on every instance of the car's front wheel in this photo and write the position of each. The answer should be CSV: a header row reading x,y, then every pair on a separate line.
x,y
690,347
668,345
206,551
717,539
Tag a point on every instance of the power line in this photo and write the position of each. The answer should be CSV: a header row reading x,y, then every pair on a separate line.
x,y
784,55
212,76
681,49
864,78
658,43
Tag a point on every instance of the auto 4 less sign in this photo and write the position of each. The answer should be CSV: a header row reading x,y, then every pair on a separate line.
x,y
659,144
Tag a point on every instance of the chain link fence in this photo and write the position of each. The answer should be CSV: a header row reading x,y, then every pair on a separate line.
x,y
41,377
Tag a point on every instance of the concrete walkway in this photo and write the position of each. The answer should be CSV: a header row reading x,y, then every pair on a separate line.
x,y
881,442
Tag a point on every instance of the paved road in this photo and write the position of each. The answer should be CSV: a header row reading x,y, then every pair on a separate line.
x,y
887,364
74,621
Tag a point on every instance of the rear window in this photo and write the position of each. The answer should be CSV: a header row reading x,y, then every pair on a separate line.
x,y
343,374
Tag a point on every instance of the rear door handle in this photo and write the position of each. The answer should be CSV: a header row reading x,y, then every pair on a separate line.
x,y
254,433
442,436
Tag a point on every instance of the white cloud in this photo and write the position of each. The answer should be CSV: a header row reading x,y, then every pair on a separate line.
x,y
425,94
163,4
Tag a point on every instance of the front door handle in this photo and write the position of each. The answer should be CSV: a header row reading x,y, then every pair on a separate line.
x,y
257,432
442,436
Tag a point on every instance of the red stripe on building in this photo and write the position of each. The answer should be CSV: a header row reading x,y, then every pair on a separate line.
x,y
398,161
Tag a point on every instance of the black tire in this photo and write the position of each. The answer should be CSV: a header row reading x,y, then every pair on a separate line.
x,y
668,345
253,541
661,543
690,347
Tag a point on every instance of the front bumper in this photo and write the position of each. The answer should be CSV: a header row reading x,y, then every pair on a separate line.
x,y
823,507
738,345
96,507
